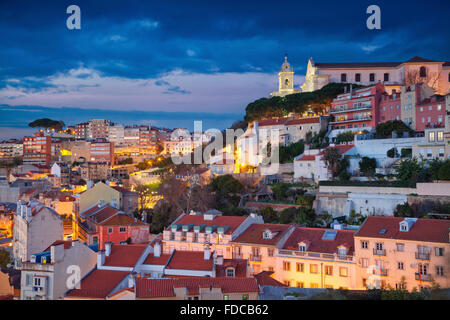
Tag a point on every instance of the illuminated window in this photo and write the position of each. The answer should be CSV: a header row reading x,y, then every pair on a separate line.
x,y
300,284
329,270
314,268
300,267
431,136
343,271
440,136
286,266
314,285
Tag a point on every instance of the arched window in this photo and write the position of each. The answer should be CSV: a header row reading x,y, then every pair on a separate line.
x,y
423,72
343,77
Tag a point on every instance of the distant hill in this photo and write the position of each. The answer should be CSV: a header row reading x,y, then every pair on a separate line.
x,y
47,123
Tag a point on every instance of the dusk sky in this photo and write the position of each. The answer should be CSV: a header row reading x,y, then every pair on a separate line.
x,y
192,60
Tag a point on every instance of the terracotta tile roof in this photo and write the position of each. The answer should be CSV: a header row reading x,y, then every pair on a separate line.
x,y
160,261
66,199
272,122
98,284
124,255
232,221
254,234
98,214
239,265
428,230
307,158
121,219
303,121
420,59
67,244
342,148
122,190
351,65
317,244
190,260
264,279
164,288
29,192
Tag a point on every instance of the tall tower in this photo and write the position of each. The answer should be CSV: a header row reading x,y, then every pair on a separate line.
x,y
285,80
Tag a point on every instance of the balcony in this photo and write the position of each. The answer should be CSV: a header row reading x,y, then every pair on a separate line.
x,y
423,277
255,257
238,256
379,252
352,120
380,272
422,255
316,255
368,107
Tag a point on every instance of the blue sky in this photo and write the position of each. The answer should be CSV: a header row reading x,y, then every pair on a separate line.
x,y
191,56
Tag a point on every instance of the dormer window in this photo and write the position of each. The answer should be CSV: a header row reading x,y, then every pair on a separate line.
x,y
302,247
342,251
404,227
230,273
267,235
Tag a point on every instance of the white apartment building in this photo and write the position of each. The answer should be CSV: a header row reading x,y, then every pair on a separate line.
x,y
36,227
50,274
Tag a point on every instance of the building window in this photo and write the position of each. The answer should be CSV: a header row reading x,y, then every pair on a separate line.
x,y
314,268
440,271
439,252
400,266
122,229
286,283
286,266
270,252
423,72
29,280
386,77
440,136
226,297
343,271
314,285
372,77
230,273
300,267
343,77
431,136
439,107
329,270
110,230
358,77
379,246
400,247
364,244
300,284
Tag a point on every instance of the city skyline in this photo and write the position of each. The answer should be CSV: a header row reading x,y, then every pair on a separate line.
x,y
151,57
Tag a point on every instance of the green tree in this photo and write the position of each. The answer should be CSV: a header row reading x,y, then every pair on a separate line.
x,y
367,166
332,158
444,171
408,170
280,190
269,215
305,216
403,210
288,215
385,129
47,123
227,184
5,258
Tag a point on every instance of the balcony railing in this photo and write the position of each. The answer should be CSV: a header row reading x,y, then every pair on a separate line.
x,y
255,257
352,120
379,252
350,109
423,277
317,255
423,255
380,272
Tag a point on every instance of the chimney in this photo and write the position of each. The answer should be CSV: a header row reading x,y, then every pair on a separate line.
x,y
207,253
219,260
108,246
157,250
131,280
57,253
100,258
